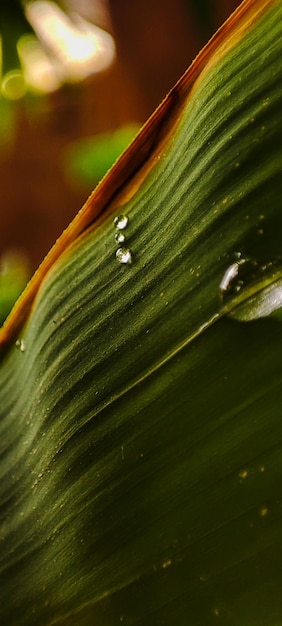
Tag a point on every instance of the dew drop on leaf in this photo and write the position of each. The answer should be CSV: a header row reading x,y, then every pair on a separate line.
x,y
228,277
232,279
20,344
120,238
123,255
121,222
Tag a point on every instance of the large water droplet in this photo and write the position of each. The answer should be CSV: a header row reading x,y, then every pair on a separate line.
x,y
259,287
120,237
21,345
124,255
267,301
121,222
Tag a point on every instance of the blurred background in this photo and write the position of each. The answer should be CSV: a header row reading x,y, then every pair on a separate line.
x,y
78,79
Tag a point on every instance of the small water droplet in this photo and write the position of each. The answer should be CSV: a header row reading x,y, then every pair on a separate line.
x,y
123,255
121,222
120,238
238,286
20,344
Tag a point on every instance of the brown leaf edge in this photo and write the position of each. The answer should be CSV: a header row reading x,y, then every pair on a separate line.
x,y
131,168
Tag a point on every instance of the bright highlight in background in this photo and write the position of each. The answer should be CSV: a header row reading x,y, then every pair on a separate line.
x,y
77,47
66,48
39,70
13,85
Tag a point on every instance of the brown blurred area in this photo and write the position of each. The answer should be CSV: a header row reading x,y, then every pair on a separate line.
x,y
156,40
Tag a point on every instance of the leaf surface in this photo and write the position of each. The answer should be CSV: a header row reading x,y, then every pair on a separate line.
x,y
140,425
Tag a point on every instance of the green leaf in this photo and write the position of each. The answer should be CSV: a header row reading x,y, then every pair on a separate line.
x,y
140,425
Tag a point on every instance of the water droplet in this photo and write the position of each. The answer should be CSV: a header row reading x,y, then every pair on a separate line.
x,y
262,287
20,344
121,222
123,255
229,275
120,238
267,301
242,271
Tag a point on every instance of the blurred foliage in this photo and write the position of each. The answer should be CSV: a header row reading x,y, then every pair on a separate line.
x,y
14,274
88,160
7,123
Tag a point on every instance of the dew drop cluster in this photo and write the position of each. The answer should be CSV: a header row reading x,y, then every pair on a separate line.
x,y
123,254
